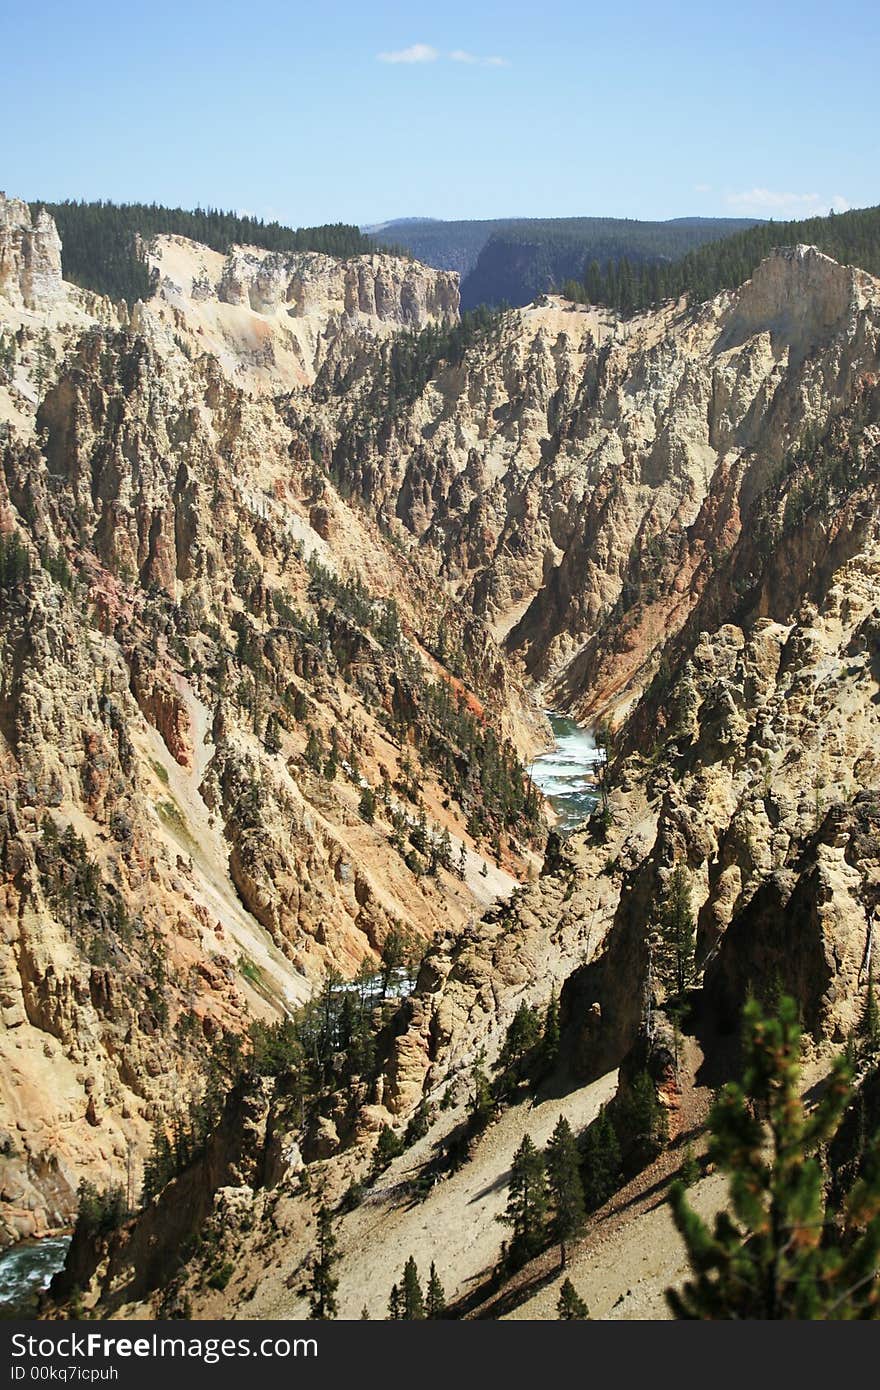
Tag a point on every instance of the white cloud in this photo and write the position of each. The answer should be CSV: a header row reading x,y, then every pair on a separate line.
x,y
424,53
461,55
770,201
702,188
416,53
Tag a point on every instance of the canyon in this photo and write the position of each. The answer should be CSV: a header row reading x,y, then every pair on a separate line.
x,y
286,592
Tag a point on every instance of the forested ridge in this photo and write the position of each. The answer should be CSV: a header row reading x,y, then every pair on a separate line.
x,y
99,240
853,238
513,259
527,258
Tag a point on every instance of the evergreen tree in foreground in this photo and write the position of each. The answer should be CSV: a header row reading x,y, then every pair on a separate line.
x,y
435,1306
570,1305
526,1202
324,1282
413,1298
566,1188
778,1252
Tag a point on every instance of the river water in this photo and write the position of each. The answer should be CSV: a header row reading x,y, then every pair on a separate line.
x,y
567,774
25,1271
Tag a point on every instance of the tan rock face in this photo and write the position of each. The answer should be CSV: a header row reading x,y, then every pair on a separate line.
x,y
406,294
578,477
30,256
801,298
196,873
273,318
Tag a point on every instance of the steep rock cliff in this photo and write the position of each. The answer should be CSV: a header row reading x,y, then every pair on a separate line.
x,y
175,626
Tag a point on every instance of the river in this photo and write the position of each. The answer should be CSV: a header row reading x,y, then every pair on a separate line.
x,y
566,775
25,1270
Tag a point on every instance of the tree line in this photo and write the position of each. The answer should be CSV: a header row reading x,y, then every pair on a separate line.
x,y
628,284
99,240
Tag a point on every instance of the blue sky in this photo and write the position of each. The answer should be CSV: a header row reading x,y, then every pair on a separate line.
x,y
370,110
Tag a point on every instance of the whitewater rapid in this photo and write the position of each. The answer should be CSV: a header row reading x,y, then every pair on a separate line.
x,y
567,774
25,1271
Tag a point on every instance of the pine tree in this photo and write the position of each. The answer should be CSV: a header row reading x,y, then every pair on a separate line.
x,y
436,1299
601,1167
395,1304
419,1124
775,1253
461,866
523,1035
689,1171
272,736
389,1147
593,283
570,1305
159,1166
444,849
413,1298
641,1121
393,957
869,1023
14,562
482,1102
314,754
367,805
677,934
566,1188
526,1208
550,1038
324,1282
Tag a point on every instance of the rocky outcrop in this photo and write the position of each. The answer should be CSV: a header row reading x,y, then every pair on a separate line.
x,y
801,298
30,256
382,288
272,319
136,1258
165,708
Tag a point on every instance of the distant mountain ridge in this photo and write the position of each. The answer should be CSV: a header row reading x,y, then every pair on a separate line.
x,y
515,259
